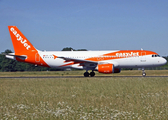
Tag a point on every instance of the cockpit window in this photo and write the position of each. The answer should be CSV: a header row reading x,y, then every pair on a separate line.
x,y
155,55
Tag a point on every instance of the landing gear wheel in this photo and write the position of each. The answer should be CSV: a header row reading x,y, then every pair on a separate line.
x,y
143,74
92,74
86,74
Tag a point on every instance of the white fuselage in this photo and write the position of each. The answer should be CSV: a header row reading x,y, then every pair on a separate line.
x,y
119,62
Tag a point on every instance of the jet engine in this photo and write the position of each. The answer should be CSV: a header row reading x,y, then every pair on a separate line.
x,y
108,68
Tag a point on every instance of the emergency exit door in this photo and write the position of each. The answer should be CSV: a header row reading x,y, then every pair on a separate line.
x,y
37,57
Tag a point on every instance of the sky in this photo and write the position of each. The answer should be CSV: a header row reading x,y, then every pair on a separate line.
x,y
87,24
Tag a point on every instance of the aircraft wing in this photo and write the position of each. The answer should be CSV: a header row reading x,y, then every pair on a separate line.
x,y
76,60
79,61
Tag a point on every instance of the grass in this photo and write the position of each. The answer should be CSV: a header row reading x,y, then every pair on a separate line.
x,y
84,98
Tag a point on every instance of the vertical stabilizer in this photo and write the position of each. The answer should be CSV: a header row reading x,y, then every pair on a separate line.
x,y
20,43
24,50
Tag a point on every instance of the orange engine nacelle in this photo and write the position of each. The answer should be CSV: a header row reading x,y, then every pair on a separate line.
x,y
108,68
105,68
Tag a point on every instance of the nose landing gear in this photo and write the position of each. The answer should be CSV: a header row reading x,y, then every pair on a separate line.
x,y
143,72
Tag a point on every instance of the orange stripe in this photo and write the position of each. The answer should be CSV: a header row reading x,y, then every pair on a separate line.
x,y
121,54
55,56
116,55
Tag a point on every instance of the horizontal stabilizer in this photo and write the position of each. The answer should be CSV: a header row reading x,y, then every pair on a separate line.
x,y
12,56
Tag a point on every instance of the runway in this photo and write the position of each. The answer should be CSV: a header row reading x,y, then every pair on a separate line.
x,y
79,77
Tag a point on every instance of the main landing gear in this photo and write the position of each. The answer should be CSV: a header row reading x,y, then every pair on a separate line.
x,y
86,74
143,72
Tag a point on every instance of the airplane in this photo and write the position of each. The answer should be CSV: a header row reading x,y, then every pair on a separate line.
x,y
102,61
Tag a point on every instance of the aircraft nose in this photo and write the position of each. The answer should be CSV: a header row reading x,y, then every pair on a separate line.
x,y
163,61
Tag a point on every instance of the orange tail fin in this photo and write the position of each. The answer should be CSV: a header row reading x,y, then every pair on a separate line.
x,y
20,43
24,50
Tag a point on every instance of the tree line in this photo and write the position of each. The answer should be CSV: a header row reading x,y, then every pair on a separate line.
x,y
7,65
